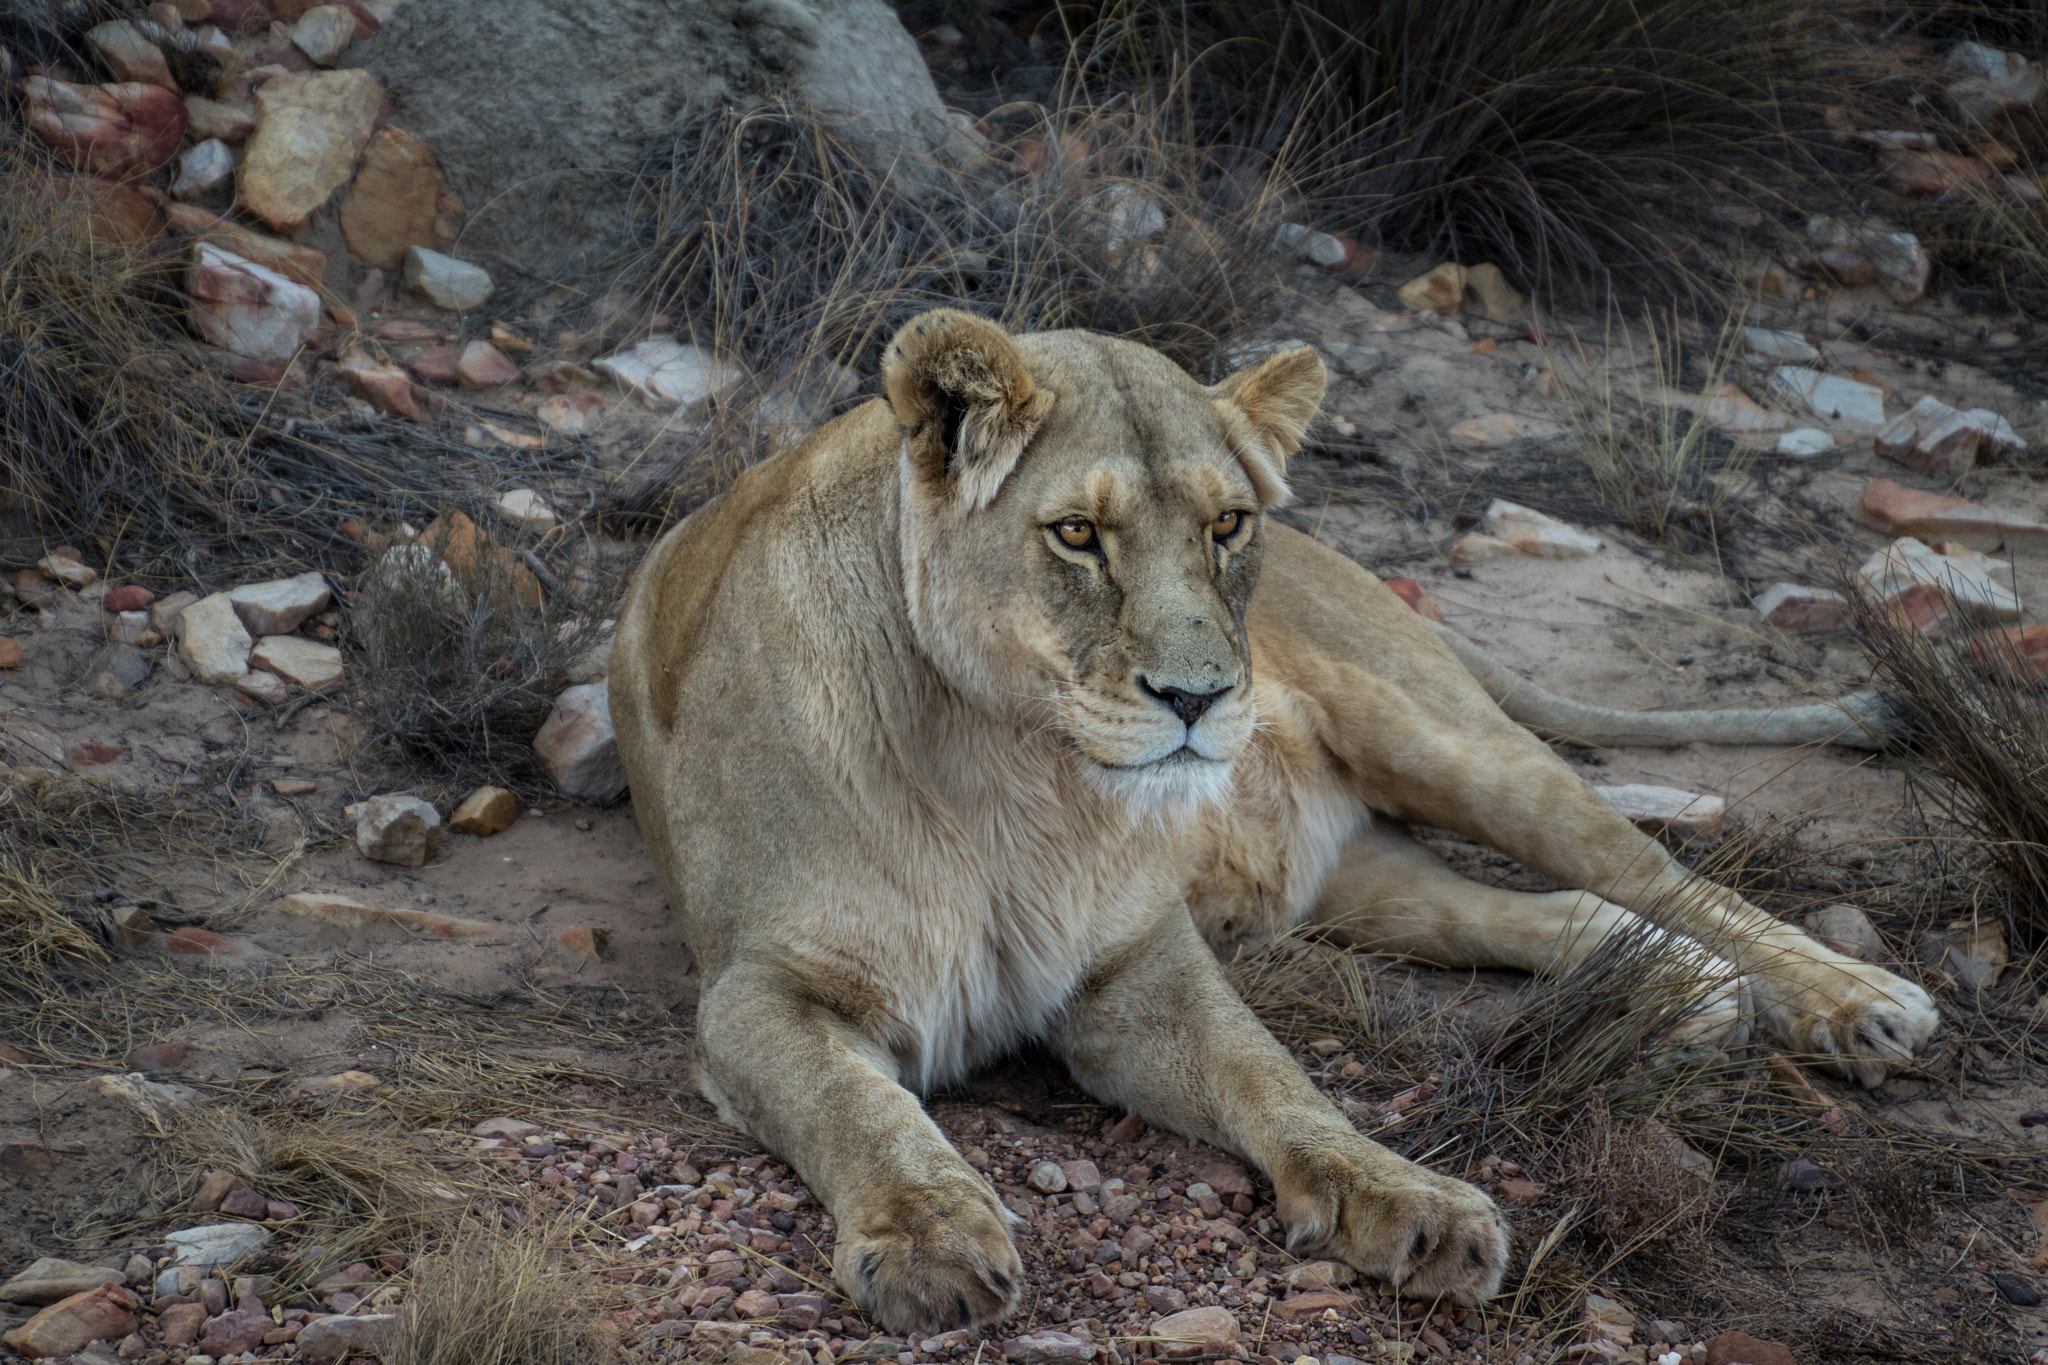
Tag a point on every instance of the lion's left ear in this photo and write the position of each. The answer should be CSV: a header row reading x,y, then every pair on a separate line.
x,y
964,399
1267,410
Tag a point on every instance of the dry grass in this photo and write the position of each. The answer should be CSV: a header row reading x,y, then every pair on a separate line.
x,y
492,1295
363,1190
458,669
1979,764
774,241
1663,470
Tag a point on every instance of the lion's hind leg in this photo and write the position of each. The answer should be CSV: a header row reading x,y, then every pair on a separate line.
x,y
1389,894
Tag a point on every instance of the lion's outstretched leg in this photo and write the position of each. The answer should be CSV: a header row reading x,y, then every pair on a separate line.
x,y
923,1243
1161,1032
1389,894
1423,743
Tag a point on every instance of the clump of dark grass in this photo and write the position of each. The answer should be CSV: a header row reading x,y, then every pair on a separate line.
x,y
492,1295
1578,144
1977,732
463,650
781,244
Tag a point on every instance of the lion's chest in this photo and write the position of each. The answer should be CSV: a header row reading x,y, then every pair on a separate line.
x,y
1036,890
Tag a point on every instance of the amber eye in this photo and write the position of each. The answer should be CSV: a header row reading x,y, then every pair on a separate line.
x,y
1225,526
1077,533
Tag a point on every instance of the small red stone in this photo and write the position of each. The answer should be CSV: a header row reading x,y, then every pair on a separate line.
x,y
1416,596
88,753
164,1056
10,652
190,940
130,597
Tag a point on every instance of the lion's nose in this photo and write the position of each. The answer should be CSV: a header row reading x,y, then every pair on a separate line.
x,y
1188,706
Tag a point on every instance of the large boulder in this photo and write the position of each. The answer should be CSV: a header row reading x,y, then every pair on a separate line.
x,y
534,113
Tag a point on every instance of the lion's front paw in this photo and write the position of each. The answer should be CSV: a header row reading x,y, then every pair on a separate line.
x,y
1426,1233
1858,1019
920,1259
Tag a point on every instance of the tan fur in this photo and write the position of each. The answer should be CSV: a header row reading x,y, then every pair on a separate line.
x,y
925,782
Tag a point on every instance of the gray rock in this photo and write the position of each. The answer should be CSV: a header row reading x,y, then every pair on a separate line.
x,y
398,829
118,668
281,605
211,640
535,114
215,1246
1847,930
578,746
1047,1178
374,1334
446,282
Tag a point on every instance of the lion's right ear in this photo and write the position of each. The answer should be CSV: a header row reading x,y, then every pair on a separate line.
x,y
964,399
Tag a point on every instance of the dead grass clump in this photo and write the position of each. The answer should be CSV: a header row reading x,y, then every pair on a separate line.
x,y
1578,144
361,1188
463,652
782,246
1662,468
1978,736
492,1295
111,432
1642,1186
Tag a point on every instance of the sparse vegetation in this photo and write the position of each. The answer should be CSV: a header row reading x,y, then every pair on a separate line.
x,y
498,1295
1581,145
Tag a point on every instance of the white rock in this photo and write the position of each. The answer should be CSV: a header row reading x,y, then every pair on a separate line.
x,y
1805,443
594,664
264,687
528,508
69,572
202,167
1939,441
1776,345
455,285
249,309
129,627
1791,607
324,33
1320,248
1852,406
1666,810
578,747
281,605
664,373
343,1335
1965,578
1048,1178
212,641
1478,549
308,663
152,1099
1532,533
216,1246
1902,264
396,828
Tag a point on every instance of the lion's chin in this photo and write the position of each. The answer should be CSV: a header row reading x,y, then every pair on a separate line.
x,y
1175,788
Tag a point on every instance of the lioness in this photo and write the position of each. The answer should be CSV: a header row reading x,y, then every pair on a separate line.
x,y
969,720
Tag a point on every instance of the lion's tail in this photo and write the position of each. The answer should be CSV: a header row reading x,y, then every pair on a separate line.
x,y
1861,720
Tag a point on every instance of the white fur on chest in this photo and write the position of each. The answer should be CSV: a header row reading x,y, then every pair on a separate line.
x,y
1047,878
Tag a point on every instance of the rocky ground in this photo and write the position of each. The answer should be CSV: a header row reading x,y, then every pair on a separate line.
x,y
1866,431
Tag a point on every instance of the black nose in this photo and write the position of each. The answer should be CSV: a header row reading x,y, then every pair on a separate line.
x,y
1188,706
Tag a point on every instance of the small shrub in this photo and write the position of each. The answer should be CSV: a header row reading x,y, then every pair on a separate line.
x,y
460,665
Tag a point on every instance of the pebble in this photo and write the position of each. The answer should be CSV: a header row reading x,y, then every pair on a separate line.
x,y
455,285
396,828
485,811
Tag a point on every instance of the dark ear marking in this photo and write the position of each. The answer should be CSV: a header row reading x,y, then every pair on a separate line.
x,y
961,393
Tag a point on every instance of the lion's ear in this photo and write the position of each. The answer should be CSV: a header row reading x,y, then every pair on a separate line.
x,y
1267,410
965,401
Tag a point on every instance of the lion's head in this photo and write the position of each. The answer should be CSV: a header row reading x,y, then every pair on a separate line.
x,y
1082,528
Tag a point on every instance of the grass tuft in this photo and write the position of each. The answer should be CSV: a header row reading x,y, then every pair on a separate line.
x,y
494,1296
